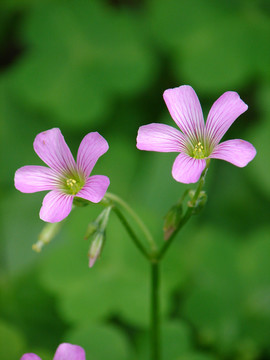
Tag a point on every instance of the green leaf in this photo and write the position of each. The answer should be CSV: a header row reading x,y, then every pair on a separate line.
x,y
82,56
18,130
101,342
255,267
177,343
176,340
214,302
196,356
19,239
213,45
25,304
228,301
12,343
259,136
214,57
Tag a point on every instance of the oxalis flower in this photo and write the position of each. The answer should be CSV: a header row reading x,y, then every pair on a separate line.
x,y
64,177
64,351
197,141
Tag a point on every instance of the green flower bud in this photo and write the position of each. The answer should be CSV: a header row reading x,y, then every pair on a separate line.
x,y
97,229
96,248
172,220
49,231
99,224
199,204
91,229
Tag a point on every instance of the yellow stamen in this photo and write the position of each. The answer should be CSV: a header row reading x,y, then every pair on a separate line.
x,y
74,186
71,182
198,151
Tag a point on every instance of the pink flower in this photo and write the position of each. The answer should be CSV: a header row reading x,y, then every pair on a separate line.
x,y
197,142
64,351
64,177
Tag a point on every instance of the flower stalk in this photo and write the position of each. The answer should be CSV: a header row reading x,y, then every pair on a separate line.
x,y
155,311
155,255
117,201
189,212
49,231
139,245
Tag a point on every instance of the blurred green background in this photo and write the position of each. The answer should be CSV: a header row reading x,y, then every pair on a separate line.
x,y
102,66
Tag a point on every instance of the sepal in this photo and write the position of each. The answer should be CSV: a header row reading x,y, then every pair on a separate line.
x,y
172,220
80,202
199,204
49,231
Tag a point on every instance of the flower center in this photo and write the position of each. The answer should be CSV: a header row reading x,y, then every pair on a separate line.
x,y
73,186
198,151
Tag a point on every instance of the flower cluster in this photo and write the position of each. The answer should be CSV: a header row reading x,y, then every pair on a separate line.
x,y
196,142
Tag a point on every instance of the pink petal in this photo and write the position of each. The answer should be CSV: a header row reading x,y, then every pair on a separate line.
x,y
238,152
30,356
185,109
160,137
67,351
95,188
223,113
51,147
187,169
31,178
56,206
93,145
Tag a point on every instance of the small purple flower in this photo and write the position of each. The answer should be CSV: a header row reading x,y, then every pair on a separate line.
x,y
197,142
64,177
64,351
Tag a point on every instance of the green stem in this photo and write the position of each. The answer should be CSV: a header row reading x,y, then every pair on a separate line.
x,y
167,244
138,220
187,215
131,233
154,256
155,316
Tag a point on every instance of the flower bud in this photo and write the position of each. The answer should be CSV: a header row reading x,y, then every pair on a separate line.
x,y
97,229
99,224
200,202
49,231
172,220
96,248
91,229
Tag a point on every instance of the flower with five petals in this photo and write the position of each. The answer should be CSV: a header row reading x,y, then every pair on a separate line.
x,y
65,178
197,141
